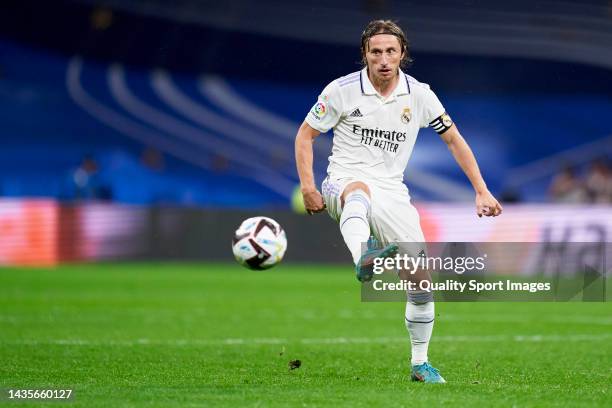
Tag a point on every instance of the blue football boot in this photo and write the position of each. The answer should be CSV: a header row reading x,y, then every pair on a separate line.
x,y
427,374
373,243
365,268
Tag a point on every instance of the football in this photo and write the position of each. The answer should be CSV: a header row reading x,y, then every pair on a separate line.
x,y
259,243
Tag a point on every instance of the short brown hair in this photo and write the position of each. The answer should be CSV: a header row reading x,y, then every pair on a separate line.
x,y
375,27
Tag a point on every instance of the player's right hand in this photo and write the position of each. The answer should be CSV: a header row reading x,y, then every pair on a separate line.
x,y
313,201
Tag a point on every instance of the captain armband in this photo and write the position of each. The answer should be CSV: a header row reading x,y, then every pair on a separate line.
x,y
442,123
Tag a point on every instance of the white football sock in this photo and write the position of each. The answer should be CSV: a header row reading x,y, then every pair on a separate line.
x,y
354,224
419,322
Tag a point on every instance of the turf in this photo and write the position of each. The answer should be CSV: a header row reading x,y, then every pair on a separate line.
x,y
181,335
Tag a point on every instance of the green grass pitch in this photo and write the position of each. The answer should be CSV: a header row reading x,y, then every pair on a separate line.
x,y
185,335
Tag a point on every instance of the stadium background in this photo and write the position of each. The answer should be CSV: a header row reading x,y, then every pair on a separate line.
x,y
147,130
186,107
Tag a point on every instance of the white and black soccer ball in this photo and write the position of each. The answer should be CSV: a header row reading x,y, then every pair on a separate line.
x,y
259,243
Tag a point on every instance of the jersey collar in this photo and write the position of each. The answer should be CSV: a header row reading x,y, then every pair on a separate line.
x,y
403,87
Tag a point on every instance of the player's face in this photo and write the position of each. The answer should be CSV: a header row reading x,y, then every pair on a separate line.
x,y
383,56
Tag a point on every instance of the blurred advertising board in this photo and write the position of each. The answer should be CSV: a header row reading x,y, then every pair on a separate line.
x,y
519,223
28,232
44,232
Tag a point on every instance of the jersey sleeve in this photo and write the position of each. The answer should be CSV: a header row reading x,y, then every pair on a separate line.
x,y
432,108
326,112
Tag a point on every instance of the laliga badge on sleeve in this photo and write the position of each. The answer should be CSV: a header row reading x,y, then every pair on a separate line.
x,y
319,110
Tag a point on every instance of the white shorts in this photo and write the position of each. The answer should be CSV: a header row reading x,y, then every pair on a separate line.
x,y
392,217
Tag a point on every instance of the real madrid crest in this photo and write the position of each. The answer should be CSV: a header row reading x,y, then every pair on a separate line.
x,y
446,120
406,115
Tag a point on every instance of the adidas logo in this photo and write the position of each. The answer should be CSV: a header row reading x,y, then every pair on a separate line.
x,y
356,113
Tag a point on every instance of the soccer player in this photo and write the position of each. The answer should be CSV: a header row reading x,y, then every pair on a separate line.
x,y
376,114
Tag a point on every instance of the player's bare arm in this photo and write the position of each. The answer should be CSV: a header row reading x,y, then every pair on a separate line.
x,y
313,200
486,204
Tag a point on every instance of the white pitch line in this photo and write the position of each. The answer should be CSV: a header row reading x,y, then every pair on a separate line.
x,y
528,338
605,321
349,314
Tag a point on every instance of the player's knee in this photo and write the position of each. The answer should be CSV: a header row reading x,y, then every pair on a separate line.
x,y
353,187
419,297
356,185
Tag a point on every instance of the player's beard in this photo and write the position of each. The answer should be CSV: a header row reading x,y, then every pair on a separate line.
x,y
381,81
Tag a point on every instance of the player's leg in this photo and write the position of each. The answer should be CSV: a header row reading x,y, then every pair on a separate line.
x,y
419,319
355,218
355,229
397,220
348,202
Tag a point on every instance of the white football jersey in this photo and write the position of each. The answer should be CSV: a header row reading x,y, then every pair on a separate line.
x,y
373,136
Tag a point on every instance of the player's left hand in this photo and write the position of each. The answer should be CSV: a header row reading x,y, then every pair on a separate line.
x,y
487,205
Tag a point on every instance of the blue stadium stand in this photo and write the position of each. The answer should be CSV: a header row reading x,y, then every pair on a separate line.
x,y
228,141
